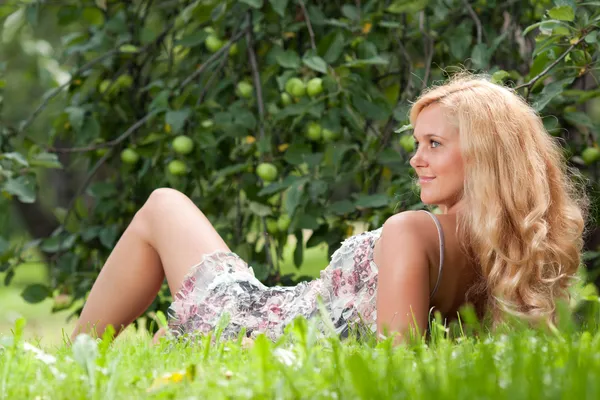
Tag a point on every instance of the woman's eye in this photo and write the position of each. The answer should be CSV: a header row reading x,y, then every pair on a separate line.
x,y
431,141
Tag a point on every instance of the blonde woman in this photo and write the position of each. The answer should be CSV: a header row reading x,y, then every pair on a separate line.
x,y
508,239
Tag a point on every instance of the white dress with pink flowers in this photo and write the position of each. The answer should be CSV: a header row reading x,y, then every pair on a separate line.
x,y
223,282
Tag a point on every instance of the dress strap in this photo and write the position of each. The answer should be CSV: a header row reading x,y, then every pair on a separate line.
x,y
441,237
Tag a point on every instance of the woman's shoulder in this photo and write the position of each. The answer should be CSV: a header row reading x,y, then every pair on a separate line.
x,y
421,228
414,220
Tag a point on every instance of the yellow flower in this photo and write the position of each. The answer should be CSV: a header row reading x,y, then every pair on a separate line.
x,y
367,27
283,147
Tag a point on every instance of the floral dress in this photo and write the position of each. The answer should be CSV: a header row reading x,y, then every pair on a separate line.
x,y
223,282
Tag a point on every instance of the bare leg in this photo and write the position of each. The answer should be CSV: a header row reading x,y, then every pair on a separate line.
x,y
167,236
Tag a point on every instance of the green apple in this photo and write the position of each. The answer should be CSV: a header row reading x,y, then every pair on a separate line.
x,y
408,143
295,87
103,87
313,131
244,89
590,155
314,87
177,167
329,135
233,49
124,81
213,43
286,99
129,156
267,172
271,226
283,223
207,123
183,144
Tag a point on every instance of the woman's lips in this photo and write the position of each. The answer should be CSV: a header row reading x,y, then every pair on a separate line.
x,y
425,179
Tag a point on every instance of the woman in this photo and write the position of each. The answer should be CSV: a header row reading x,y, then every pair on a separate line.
x,y
508,239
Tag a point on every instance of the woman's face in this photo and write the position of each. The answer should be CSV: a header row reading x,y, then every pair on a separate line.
x,y
437,160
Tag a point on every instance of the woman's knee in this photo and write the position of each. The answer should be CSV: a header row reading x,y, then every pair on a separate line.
x,y
157,207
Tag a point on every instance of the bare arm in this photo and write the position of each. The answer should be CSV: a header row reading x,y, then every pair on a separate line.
x,y
403,281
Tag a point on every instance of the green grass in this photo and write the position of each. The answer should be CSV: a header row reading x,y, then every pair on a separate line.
x,y
514,363
517,363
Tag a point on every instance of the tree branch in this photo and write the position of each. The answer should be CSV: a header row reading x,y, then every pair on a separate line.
x,y
261,119
428,48
111,143
78,72
212,58
214,74
549,67
57,90
475,19
256,79
308,25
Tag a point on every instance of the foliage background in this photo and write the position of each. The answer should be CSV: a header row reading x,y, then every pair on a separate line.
x,y
84,80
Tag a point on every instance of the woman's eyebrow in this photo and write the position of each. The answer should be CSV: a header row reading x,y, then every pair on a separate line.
x,y
427,135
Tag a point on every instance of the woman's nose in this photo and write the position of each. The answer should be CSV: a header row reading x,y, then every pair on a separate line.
x,y
417,160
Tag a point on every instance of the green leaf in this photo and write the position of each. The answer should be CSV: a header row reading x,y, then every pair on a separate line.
x,y
279,186
480,56
407,6
404,128
23,187
46,160
4,245
543,25
335,48
351,12
101,190
372,201
232,169
296,153
193,39
549,92
54,244
461,41
253,3
128,48
562,13
316,63
279,6
108,236
177,118
341,207
377,60
17,157
93,16
288,59
374,109
592,37
293,195
76,116
299,250
12,24
499,76
36,293
579,118
259,209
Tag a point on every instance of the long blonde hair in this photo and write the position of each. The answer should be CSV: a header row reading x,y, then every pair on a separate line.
x,y
524,216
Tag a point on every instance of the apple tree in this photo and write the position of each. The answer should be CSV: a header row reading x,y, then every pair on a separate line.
x,y
273,116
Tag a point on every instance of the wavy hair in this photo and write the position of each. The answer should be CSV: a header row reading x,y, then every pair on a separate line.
x,y
524,216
